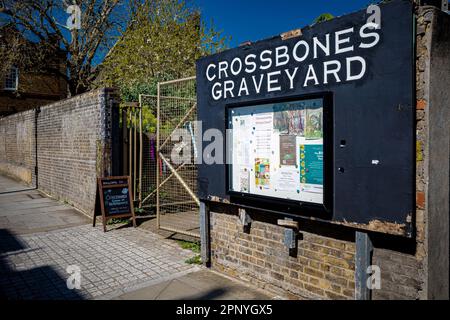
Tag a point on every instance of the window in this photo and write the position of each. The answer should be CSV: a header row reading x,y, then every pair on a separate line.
x,y
12,79
277,150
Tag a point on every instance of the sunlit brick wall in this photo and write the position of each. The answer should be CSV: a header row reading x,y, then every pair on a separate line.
x,y
73,146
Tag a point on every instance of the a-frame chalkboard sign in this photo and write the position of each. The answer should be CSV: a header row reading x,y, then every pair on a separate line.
x,y
114,199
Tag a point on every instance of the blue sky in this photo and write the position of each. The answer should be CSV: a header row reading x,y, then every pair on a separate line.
x,y
255,20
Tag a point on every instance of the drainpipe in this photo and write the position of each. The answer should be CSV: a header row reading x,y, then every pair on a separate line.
x,y
36,170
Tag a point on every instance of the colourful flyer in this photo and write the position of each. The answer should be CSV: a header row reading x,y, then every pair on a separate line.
x,y
287,151
262,173
314,126
311,164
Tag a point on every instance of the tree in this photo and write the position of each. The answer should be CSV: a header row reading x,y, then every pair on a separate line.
x,y
163,42
323,17
47,23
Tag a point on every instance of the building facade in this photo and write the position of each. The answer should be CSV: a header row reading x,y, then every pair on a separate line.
x,y
23,89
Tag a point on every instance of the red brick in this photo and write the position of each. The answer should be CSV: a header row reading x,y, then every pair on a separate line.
x,y
421,104
420,199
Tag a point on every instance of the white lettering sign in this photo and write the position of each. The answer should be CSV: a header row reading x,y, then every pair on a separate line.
x,y
323,60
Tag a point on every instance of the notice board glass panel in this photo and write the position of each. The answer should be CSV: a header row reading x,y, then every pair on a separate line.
x,y
277,150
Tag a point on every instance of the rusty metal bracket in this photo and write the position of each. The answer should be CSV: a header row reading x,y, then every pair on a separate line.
x,y
244,219
291,34
288,223
290,232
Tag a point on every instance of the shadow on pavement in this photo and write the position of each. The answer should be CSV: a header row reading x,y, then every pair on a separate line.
x,y
210,295
16,191
36,283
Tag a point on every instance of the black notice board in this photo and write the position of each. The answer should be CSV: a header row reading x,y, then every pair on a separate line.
x,y
372,158
115,199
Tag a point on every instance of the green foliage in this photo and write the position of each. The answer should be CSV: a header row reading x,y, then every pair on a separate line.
x,y
117,221
194,260
163,43
323,17
193,246
130,92
148,120
139,211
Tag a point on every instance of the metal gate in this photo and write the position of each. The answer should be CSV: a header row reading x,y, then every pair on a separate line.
x,y
130,115
166,187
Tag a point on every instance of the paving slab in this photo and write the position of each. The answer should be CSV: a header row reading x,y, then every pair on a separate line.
x,y
47,246
24,210
10,185
41,260
200,285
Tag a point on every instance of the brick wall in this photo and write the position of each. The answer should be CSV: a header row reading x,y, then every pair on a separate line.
x,y
321,267
74,145
323,264
433,133
74,142
17,140
404,274
10,103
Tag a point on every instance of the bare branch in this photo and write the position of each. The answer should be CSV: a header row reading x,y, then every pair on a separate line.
x,y
38,19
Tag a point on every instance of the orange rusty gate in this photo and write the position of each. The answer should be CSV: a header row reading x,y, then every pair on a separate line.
x,y
168,188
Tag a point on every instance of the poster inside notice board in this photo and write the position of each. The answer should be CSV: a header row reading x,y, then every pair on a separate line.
x,y
277,150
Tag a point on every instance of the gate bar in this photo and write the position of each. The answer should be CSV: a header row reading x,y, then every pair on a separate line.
x,y
158,117
169,204
188,233
194,106
162,183
130,150
124,142
176,80
141,152
175,173
134,154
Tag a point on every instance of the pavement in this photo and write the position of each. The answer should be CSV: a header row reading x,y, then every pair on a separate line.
x,y
49,250
200,285
29,211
